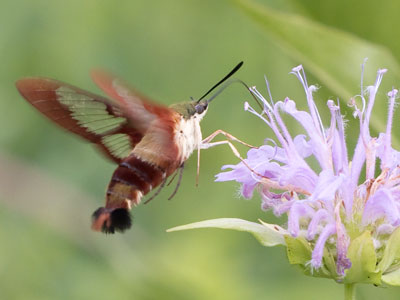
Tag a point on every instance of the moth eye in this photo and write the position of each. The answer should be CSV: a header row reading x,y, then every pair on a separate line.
x,y
200,108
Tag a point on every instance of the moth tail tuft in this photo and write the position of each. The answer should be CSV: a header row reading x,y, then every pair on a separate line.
x,y
111,220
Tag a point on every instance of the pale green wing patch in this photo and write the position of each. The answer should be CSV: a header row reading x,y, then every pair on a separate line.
x,y
90,114
119,144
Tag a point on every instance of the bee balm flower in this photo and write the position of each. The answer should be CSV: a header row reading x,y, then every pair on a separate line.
x,y
343,213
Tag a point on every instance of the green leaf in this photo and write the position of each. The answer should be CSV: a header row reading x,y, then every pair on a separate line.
x,y
361,253
333,56
267,234
391,252
299,253
392,278
298,250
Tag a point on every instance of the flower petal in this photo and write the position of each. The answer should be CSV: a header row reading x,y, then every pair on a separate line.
x,y
318,145
381,205
299,210
326,187
318,252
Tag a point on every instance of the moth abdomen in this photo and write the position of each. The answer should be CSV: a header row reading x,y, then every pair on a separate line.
x,y
133,178
125,179
138,174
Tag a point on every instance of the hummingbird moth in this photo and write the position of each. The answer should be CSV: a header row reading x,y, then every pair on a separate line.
x,y
147,140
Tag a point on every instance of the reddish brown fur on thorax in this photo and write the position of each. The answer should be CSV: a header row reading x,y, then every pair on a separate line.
x,y
158,145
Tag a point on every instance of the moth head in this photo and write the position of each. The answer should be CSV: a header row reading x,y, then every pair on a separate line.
x,y
198,108
191,109
201,107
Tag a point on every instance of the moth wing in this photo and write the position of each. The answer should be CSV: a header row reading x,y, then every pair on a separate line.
x,y
140,110
159,146
93,117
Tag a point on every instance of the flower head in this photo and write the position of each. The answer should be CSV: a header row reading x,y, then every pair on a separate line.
x,y
330,202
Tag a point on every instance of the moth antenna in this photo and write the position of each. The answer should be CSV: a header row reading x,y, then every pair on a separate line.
x,y
157,192
228,83
179,181
234,70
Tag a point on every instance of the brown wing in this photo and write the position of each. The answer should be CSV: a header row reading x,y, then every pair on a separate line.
x,y
93,117
159,122
140,110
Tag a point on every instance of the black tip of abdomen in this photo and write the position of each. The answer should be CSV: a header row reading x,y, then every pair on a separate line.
x,y
120,220
111,221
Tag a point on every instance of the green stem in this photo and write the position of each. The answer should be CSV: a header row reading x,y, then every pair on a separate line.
x,y
349,291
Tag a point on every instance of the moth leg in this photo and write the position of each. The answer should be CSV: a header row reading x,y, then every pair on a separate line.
x,y
206,143
157,192
179,181
173,177
234,150
180,171
229,136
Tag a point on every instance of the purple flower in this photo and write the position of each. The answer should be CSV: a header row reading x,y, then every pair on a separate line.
x,y
311,178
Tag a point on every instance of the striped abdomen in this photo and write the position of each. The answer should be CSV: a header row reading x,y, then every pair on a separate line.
x,y
132,179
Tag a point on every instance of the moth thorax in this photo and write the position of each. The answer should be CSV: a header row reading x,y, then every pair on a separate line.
x,y
188,135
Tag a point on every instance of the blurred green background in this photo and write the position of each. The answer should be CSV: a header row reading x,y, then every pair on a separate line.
x,y
51,182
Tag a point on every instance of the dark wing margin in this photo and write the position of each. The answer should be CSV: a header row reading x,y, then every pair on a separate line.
x,y
93,117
